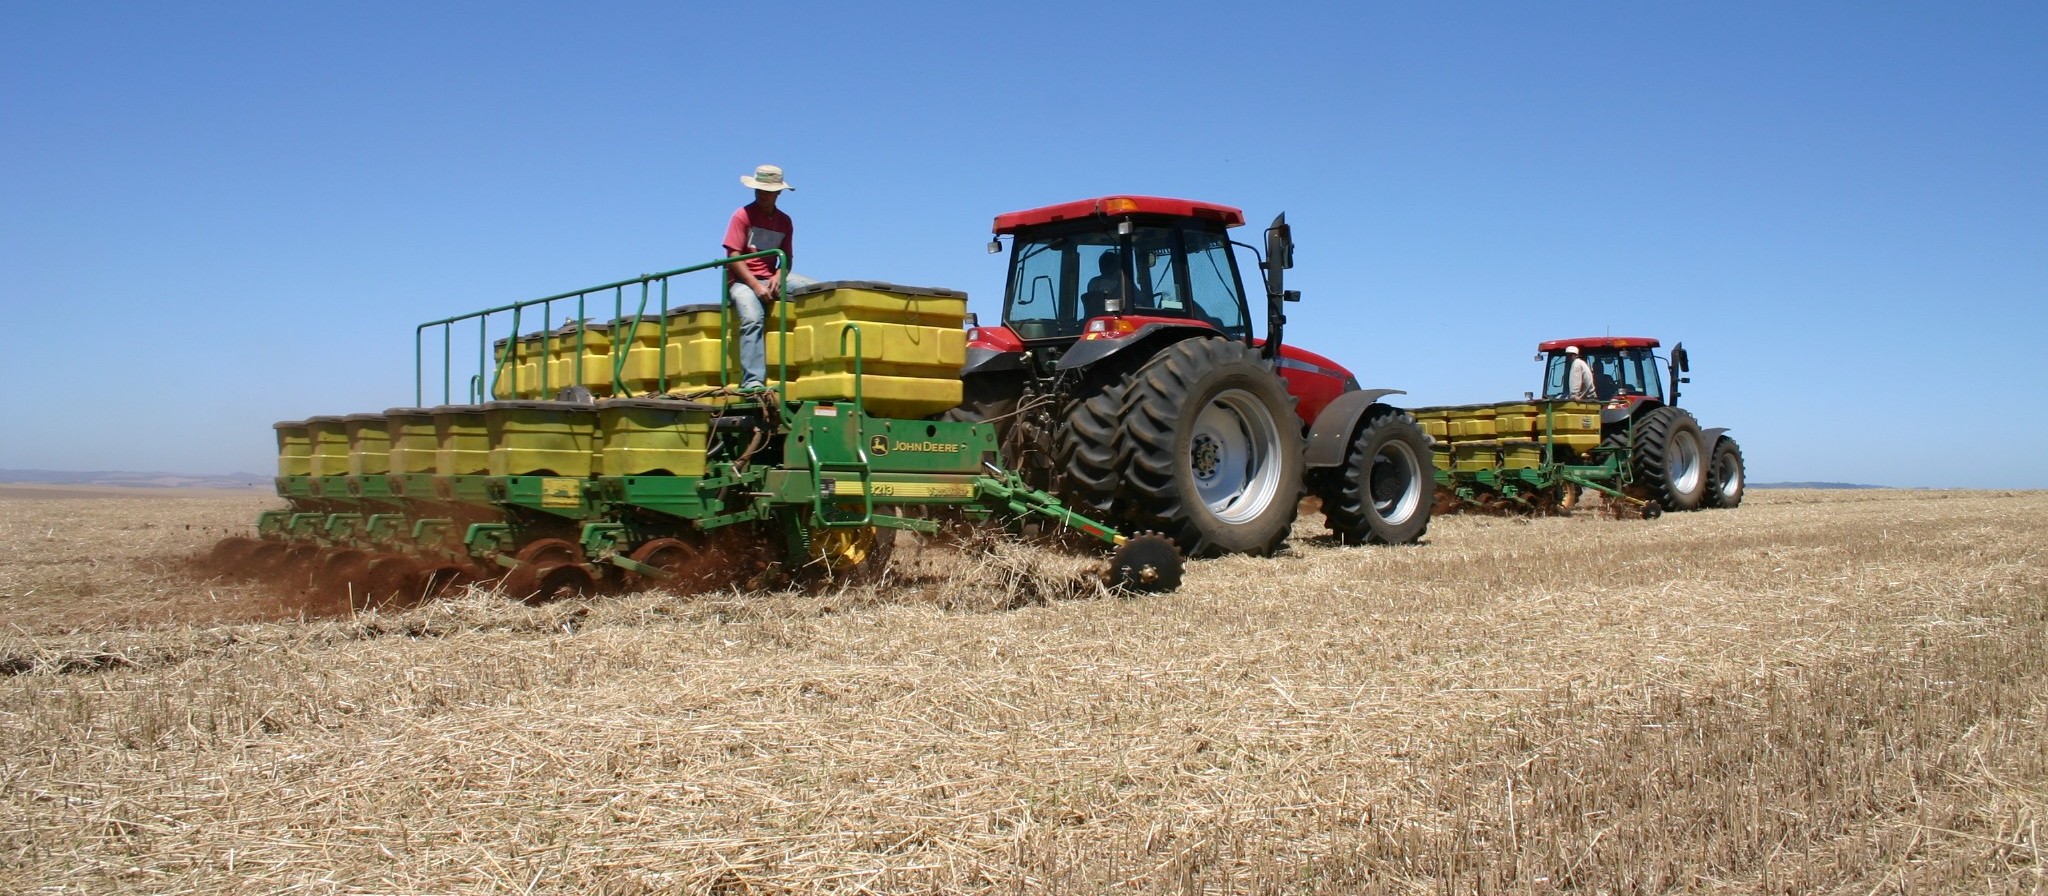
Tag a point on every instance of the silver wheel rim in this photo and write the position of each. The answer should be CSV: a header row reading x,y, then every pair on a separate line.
x,y
1394,484
1233,454
1730,474
1685,463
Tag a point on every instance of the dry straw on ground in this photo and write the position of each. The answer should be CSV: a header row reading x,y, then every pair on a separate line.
x,y
1818,692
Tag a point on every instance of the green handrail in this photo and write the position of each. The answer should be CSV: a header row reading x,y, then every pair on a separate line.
x,y
1549,432
639,317
853,328
513,349
864,475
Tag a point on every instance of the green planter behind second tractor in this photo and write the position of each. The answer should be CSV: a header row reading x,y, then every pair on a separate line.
x,y
1633,444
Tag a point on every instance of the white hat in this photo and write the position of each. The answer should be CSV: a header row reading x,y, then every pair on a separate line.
x,y
1571,349
766,177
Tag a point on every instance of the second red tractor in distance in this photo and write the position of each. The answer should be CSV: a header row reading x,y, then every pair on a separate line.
x,y
1672,460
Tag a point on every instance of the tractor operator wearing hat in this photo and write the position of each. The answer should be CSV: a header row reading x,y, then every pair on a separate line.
x,y
1580,384
757,227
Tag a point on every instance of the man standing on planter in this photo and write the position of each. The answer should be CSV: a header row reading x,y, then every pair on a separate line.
x,y
757,227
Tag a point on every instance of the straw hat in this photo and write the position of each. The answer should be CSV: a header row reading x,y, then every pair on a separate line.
x,y
766,177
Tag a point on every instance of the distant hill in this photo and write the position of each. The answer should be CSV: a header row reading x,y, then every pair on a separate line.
x,y
136,480
1812,485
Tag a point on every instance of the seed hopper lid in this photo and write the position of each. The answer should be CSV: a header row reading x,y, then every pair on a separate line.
x,y
692,309
627,322
452,409
328,420
878,286
538,405
658,404
408,412
363,418
289,424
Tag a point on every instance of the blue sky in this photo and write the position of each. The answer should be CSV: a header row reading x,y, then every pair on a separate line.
x,y
216,216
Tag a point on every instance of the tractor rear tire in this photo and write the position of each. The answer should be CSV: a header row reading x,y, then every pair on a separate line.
x,y
1670,459
1725,476
1384,491
1213,449
1021,436
1090,450
986,397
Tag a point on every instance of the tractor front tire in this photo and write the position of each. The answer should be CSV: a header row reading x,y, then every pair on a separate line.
x,y
1384,491
1670,459
1725,476
1213,450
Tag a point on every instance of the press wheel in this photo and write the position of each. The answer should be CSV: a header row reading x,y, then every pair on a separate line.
x,y
563,581
686,566
523,582
1146,562
393,583
340,577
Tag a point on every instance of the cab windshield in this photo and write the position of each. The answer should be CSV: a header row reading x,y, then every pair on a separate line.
x,y
1617,373
1059,278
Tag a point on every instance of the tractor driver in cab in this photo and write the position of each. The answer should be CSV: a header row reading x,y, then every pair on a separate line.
x,y
1579,383
1113,283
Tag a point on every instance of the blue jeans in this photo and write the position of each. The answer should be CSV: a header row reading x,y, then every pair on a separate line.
x,y
753,319
753,349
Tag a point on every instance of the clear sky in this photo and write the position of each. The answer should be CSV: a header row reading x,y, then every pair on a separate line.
x,y
216,216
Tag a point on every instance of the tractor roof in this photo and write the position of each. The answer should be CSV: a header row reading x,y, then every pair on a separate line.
x,y
1118,205
1595,342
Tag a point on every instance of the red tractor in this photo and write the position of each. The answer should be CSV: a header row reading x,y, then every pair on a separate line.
x,y
1126,378
1673,461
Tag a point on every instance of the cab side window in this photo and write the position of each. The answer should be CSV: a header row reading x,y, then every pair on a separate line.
x,y
1554,376
1212,282
1042,291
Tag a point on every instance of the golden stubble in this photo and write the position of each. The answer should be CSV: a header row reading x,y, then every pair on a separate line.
x,y
1817,692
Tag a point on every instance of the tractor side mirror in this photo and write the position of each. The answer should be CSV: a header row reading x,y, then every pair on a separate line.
x,y
1679,365
995,246
1279,253
1279,257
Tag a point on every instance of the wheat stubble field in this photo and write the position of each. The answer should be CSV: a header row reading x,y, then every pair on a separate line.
x,y
1820,692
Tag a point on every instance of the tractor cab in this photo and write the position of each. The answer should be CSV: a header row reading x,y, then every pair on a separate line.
x,y
1098,286
1106,267
1126,378
1626,369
